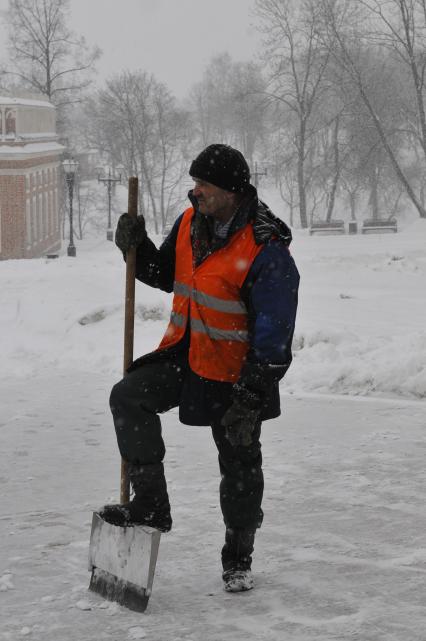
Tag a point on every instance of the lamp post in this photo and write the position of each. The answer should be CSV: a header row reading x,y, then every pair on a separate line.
x,y
109,180
70,167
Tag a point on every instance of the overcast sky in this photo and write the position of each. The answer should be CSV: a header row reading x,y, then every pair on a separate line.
x,y
174,39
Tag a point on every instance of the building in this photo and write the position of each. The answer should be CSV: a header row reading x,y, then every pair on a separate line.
x,y
30,175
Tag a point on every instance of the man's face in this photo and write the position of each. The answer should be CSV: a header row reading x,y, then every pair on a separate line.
x,y
212,200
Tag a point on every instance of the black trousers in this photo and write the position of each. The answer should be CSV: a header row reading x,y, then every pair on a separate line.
x,y
155,387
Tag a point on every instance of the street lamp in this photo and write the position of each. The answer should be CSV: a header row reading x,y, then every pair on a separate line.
x,y
109,180
70,168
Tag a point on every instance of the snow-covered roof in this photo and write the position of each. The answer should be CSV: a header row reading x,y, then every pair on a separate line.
x,y
30,136
20,151
25,102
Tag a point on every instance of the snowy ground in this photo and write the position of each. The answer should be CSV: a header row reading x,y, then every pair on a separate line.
x,y
342,554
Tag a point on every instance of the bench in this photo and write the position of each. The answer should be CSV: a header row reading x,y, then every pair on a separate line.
x,y
379,225
327,226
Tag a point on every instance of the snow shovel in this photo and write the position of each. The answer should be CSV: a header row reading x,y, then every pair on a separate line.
x,y
122,559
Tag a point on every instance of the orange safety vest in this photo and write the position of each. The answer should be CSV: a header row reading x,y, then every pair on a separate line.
x,y
208,296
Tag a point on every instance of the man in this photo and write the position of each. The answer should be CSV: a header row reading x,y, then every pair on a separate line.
x,y
227,345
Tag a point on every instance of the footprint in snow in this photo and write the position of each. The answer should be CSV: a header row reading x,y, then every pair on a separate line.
x,y
137,633
152,312
83,604
6,582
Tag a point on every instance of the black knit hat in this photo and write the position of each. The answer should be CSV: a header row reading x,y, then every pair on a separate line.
x,y
223,166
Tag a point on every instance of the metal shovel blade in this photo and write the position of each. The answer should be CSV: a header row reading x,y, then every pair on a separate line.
x,y
122,561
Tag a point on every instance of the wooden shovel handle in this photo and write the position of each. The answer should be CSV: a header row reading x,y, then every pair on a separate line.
x,y
129,320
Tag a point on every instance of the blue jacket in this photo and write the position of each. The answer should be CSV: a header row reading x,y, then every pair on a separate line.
x,y
270,294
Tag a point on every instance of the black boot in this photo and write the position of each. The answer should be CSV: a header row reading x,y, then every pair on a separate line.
x,y
236,559
150,504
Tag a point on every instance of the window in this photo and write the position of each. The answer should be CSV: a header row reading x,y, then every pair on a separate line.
x,y
10,122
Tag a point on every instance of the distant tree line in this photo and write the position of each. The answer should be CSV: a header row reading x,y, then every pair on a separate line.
x,y
333,107
345,80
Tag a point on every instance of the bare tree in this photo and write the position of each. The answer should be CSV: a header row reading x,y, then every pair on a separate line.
x,y
172,126
213,100
298,62
228,105
335,166
282,155
344,31
135,121
46,55
351,156
400,27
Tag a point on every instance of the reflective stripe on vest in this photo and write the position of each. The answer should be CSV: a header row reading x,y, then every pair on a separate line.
x,y
177,319
219,334
209,296
221,305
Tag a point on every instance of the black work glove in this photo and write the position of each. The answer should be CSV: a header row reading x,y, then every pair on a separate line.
x,y
130,232
242,416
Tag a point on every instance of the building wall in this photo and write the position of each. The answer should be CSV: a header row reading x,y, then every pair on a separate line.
x,y
29,178
12,230
29,207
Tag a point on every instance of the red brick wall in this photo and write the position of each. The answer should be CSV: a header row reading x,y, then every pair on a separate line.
x,y
12,204
14,197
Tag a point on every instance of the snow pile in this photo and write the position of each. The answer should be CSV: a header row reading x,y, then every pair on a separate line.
x,y
69,312
344,363
6,582
360,328
137,633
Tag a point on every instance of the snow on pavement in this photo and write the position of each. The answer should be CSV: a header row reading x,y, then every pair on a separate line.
x,y
342,553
